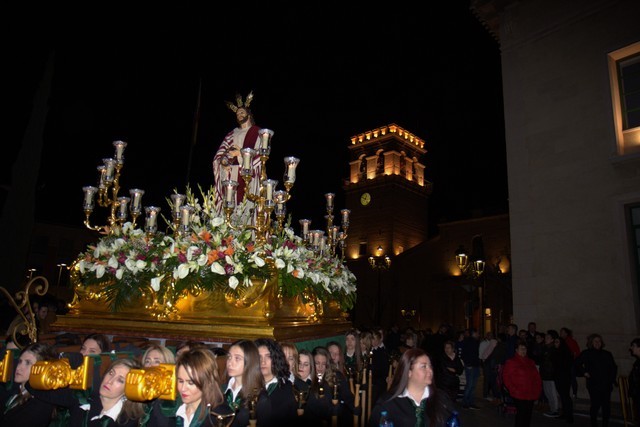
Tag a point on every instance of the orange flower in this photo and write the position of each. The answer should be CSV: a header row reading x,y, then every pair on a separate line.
x,y
206,236
296,273
251,247
212,257
229,251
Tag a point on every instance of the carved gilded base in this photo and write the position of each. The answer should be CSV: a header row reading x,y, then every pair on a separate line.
x,y
211,316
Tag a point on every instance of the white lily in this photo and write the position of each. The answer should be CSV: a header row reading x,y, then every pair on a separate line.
x,y
155,283
217,268
233,282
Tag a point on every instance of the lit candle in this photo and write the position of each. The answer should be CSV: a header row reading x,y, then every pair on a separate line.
x,y
89,191
345,216
136,199
124,204
329,197
120,146
186,213
265,141
334,232
109,165
304,223
247,157
269,184
316,236
177,200
152,219
229,187
323,242
101,181
290,172
281,209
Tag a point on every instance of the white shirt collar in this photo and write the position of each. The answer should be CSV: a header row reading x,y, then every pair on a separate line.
x,y
272,381
230,385
112,413
425,394
182,412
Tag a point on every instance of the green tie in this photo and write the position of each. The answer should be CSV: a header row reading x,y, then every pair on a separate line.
x,y
233,404
419,412
271,388
12,402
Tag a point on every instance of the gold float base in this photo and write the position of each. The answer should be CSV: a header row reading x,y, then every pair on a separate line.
x,y
211,317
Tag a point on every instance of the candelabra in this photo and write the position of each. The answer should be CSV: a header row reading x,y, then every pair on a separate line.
x,y
331,240
263,202
119,205
267,200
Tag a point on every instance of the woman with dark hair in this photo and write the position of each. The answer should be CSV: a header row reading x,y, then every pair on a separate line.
x,y
275,372
600,370
352,353
244,385
412,399
337,356
451,367
199,388
107,406
18,405
291,356
329,393
95,344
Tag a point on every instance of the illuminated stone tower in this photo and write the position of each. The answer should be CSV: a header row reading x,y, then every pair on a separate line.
x,y
386,192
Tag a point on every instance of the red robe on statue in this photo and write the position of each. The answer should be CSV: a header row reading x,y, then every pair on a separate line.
x,y
238,138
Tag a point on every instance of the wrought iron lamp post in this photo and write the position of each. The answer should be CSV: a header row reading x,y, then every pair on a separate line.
x,y
473,266
379,263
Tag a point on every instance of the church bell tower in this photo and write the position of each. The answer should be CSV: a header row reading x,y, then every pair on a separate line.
x,y
386,192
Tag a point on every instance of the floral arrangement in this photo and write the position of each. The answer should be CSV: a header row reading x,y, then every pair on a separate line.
x,y
212,255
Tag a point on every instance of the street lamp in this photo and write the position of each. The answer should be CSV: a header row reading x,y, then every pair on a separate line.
x,y
473,266
379,263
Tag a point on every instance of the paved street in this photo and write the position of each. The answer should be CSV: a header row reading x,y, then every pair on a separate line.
x,y
490,414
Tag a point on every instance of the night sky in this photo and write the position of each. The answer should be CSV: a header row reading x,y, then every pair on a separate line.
x,y
319,76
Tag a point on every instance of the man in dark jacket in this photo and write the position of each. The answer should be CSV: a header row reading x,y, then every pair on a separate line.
x,y
600,370
471,360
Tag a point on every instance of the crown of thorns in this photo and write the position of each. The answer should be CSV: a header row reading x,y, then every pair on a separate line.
x,y
239,103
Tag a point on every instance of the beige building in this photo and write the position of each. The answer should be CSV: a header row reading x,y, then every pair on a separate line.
x,y
572,116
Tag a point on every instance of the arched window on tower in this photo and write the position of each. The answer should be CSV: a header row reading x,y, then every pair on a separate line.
x,y
380,163
363,168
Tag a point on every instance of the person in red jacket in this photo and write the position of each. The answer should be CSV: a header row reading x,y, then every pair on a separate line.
x,y
523,382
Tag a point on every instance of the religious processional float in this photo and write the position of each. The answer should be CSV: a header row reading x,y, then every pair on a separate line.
x,y
238,273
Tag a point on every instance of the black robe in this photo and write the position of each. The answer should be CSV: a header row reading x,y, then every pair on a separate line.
x,y
283,404
31,413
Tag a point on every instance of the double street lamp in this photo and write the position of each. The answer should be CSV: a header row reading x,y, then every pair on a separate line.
x,y
379,263
473,267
